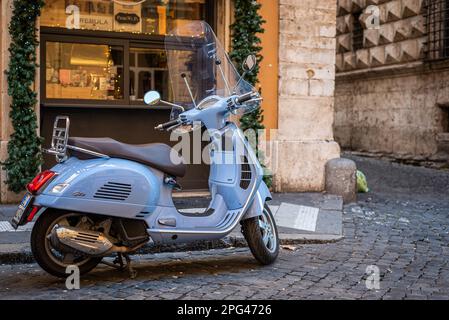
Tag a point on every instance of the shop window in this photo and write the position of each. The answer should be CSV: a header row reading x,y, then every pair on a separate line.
x,y
156,17
437,21
111,52
148,71
83,71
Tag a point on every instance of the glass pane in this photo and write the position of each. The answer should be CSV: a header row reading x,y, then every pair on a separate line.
x,y
138,16
84,71
148,72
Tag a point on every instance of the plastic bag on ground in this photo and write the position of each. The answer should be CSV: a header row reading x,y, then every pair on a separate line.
x,y
362,184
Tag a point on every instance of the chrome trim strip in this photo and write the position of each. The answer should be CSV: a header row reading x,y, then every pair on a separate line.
x,y
92,153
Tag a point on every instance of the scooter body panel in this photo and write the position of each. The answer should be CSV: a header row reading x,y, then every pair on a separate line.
x,y
112,187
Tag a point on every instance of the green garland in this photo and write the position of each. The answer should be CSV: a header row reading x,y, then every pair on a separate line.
x,y
24,147
245,41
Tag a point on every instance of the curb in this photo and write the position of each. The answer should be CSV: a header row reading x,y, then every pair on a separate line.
x,y
21,253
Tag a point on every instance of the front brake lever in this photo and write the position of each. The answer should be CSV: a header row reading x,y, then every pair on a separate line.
x,y
255,100
174,127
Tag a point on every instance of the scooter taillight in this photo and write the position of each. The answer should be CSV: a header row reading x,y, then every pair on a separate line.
x,y
40,180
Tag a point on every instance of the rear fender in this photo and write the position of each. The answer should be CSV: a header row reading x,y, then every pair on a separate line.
x,y
40,212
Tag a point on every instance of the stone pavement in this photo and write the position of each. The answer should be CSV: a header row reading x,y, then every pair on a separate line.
x,y
401,228
303,217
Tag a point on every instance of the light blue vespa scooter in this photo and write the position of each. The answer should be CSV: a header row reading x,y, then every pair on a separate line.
x,y
106,197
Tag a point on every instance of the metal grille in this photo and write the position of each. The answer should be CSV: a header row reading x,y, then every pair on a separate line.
x,y
437,24
114,191
357,33
246,178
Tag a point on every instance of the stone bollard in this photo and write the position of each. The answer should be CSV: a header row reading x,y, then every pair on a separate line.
x,y
341,179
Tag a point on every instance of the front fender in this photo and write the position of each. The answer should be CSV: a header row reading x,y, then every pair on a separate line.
x,y
256,209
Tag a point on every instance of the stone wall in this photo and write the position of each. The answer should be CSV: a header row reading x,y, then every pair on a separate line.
x,y
304,141
389,99
395,115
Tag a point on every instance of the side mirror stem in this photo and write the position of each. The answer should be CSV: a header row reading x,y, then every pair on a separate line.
x,y
240,80
173,105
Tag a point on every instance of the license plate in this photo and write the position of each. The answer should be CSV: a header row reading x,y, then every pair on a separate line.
x,y
20,216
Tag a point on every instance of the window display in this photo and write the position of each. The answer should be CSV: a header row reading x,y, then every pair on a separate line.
x,y
83,71
110,52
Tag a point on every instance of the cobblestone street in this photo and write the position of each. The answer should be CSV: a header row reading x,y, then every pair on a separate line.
x,y
401,227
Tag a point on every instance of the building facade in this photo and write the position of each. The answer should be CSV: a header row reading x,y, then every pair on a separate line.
x,y
392,84
98,57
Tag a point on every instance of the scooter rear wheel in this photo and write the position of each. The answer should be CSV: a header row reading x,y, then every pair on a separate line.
x,y
51,259
262,236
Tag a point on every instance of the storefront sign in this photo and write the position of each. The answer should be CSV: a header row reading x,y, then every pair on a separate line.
x,y
128,17
93,22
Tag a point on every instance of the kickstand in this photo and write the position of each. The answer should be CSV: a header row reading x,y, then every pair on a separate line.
x,y
117,263
120,265
131,271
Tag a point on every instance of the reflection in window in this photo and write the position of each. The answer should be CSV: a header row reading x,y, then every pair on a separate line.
x,y
148,71
149,17
84,71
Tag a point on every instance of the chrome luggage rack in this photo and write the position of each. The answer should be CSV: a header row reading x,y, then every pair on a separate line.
x,y
60,138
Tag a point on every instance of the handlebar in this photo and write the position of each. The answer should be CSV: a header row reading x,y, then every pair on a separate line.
x,y
245,97
167,125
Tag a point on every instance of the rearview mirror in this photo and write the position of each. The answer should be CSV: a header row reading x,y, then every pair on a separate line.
x,y
250,63
152,97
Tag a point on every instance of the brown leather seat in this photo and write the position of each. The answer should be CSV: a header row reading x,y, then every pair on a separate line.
x,y
155,155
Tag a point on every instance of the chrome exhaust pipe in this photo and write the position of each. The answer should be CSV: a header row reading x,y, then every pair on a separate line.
x,y
92,243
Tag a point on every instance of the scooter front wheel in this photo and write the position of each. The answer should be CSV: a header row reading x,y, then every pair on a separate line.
x,y
54,260
262,236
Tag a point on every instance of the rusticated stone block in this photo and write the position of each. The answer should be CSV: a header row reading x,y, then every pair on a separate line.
x,y
392,53
371,38
386,33
345,24
362,59
412,50
417,26
402,30
349,6
341,179
344,7
349,61
344,43
392,10
411,8
358,5
377,56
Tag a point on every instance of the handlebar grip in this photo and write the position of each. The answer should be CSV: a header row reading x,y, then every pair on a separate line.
x,y
167,125
245,97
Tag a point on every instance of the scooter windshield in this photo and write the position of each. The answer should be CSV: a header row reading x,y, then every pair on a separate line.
x,y
196,56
